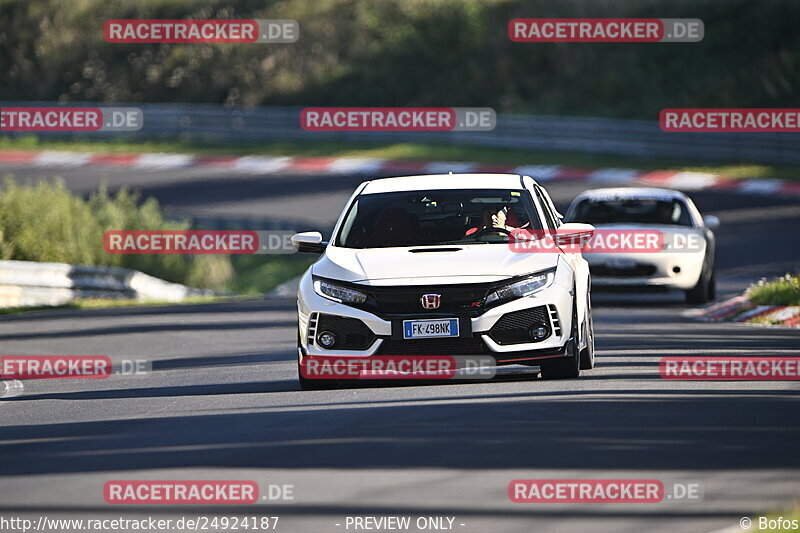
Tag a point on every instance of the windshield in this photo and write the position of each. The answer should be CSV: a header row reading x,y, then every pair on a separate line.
x,y
420,218
632,211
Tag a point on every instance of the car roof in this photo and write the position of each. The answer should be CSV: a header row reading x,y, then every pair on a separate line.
x,y
444,181
631,193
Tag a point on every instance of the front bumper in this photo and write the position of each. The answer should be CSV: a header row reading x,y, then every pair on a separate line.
x,y
497,332
667,270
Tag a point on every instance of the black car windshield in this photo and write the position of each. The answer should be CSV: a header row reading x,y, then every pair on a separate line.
x,y
421,218
631,211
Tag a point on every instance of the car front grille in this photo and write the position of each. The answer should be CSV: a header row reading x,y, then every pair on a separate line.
x,y
406,300
455,346
351,333
636,271
512,328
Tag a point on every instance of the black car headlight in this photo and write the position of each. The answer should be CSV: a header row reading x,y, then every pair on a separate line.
x,y
523,287
338,293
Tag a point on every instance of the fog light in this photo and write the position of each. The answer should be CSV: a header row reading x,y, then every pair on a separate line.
x,y
539,332
676,269
326,339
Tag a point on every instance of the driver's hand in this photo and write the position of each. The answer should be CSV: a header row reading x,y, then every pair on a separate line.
x,y
497,225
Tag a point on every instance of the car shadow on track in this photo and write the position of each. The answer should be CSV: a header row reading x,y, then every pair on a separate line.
x,y
152,329
217,389
596,429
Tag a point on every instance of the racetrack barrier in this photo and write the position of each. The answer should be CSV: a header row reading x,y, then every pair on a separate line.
x,y
642,138
25,284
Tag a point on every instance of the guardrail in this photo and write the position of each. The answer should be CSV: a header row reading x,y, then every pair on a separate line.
x,y
231,125
25,283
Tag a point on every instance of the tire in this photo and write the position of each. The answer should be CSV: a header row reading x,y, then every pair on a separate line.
x,y
314,384
705,290
570,366
587,354
712,286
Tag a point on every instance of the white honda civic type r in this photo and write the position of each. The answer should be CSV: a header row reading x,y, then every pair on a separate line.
x,y
685,261
422,266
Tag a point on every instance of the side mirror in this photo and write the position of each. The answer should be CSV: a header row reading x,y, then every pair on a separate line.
x,y
711,222
309,242
574,234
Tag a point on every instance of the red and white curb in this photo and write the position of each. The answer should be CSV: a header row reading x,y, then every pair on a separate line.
x,y
689,181
741,309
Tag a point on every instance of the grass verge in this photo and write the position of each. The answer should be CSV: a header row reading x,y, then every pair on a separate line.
x,y
103,303
478,154
258,274
782,291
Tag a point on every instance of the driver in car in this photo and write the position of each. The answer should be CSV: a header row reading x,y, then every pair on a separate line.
x,y
503,219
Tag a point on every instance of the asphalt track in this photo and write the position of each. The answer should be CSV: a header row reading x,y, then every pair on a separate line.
x,y
222,401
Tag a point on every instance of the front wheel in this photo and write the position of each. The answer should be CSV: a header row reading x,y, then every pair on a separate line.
x,y
587,354
311,384
712,286
706,288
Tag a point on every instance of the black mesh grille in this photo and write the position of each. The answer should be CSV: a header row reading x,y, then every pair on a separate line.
x,y
638,270
351,333
407,300
457,346
512,328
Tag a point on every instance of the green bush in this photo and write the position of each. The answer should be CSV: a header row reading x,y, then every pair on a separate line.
x,y
256,275
783,291
47,223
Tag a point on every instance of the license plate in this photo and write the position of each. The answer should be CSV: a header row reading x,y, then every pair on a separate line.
x,y
621,263
422,329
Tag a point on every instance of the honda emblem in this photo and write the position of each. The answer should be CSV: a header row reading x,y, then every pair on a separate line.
x,y
431,301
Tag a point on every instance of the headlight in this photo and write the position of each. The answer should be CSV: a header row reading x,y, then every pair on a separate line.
x,y
338,293
523,287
